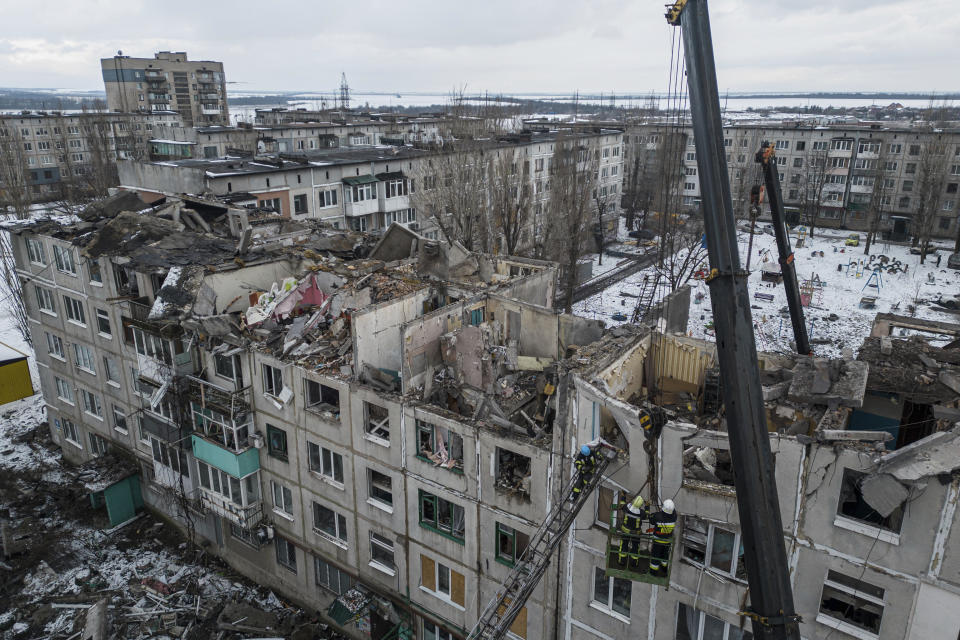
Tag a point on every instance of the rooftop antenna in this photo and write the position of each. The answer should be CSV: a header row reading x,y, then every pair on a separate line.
x,y
344,93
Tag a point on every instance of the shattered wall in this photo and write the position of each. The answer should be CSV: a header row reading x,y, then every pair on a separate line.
x,y
233,288
377,330
421,342
625,377
168,178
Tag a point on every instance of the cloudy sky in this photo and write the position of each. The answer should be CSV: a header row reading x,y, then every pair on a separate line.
x,y
509,46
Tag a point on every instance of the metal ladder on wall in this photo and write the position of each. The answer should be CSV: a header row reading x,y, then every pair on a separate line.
x,y
512,596
645,299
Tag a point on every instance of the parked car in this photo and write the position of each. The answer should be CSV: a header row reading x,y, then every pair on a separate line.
x,y
931,251
954,261
853,240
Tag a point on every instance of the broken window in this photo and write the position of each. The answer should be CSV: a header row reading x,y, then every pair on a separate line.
x,y
439,445
286,553
329,522
510,544
377,420
693,624
228,367
126,282
612,594
170,457
707,464
605,499
98,444
331,578
151,345
847,601
277,442
219,427
711,546
513,473
325,462
321,397
442,516
272,380
852,504
380,487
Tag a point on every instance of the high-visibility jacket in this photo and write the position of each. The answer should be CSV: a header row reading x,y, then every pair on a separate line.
x,y
632,523
585,464
663,524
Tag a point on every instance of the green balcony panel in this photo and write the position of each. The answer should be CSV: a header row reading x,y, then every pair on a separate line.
x,y
236,464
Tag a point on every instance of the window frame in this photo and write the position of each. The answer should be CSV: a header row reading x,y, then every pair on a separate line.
x,y
608,606
288,557
385,545
429,429
425,497
64,260
73,307
55,346
282,449
710,537
339,533
282,499
91,403
851,628
271,376
36,254
328,569
512,533
46,296
325,463
374,492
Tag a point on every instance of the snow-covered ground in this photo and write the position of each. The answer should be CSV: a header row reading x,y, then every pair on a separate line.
x,y
838,298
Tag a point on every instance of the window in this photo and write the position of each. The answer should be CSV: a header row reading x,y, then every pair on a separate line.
x,y
329,522
277,442
45,300
955,170
381,551
951,187
850,604
442,516
907,185
440,446
271,203
119,420
282,498
35,251
325,462
103,323
228,367
96,276
689,186
904,202
64,259
226,485
839,163
74,310
442,581
944,223
868,147
394,188
693,624
300,203
111,371
612,594
783,144
286,553
512,473
331,578
895,148
64,390
327,198
151,345
891,165
380,487
841,145
852,505
910,167
510,544
433,632
820,145
377,420
322,397
272,380
708,545
914,150
689,171
55,346
83,357
800,145
797,163
170,457
361,192
70,432
91,403
605,499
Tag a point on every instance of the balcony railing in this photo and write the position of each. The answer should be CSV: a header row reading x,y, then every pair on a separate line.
x,y
233,403
245,517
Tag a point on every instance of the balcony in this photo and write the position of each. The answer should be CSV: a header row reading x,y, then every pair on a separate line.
x,y
362,208
233,404
159,97
152,75
212,97
245,517
210,110
217,455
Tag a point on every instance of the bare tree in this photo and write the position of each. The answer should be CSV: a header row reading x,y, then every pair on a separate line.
x,y
573,179
931,179
812,182
16,191
878,198
100,168
744,171
511,199
453,192
684,251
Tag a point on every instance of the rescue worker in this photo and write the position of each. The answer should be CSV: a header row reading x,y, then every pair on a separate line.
x,y
585,463
632,528
662,524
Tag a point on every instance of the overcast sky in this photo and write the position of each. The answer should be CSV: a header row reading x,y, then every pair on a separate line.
x,y
509,46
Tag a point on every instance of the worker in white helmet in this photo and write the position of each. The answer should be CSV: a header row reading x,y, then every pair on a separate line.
x,y
662,524
631,529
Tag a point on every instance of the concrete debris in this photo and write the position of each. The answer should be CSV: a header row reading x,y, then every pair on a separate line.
x,y
934,455
883,493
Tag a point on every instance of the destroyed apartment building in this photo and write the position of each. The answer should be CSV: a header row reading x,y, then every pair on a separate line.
x,y
867,463
369,426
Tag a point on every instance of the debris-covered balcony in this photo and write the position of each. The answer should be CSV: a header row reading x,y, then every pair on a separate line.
x,y
221,416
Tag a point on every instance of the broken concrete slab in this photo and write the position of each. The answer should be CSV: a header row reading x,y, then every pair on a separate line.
x,y
833,383
950,379
936,454
883,493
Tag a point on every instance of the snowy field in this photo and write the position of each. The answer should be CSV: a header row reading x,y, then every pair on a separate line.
x,y
834,314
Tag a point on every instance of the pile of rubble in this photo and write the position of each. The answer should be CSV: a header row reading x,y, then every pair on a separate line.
x,y
65,574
